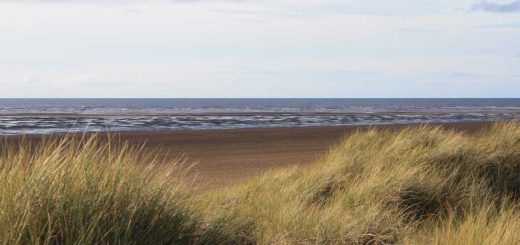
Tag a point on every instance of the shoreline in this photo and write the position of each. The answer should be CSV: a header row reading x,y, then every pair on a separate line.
x,y
209,130
226,157
258,113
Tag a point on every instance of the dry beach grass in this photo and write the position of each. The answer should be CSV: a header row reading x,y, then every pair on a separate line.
x,y
416,185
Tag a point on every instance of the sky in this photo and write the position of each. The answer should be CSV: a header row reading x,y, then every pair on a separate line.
x,y
259,48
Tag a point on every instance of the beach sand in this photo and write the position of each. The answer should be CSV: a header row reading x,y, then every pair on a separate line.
x,y
225,157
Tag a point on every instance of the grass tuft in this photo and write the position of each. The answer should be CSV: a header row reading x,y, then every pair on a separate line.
x,y
74,191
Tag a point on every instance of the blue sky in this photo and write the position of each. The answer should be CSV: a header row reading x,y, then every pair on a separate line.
x,y
259,48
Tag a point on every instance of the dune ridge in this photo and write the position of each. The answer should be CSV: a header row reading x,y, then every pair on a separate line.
x,y
418,185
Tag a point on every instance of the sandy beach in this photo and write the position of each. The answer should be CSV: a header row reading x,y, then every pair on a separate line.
x,y
226,157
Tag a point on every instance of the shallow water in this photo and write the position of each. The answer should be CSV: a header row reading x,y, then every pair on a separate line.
x,y
43,116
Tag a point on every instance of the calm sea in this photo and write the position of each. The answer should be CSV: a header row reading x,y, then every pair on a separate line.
x,y
43,116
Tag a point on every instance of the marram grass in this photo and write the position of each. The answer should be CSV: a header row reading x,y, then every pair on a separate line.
x,y
76,191
421,185
416,186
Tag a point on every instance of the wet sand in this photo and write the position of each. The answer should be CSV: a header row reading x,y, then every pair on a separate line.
x,y
227,157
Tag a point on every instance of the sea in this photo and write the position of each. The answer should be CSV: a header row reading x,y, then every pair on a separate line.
x,y
51,116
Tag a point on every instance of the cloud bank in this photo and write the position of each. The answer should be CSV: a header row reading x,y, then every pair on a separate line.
x,y
258,48
498,8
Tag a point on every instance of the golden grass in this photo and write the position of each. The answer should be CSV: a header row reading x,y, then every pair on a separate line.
x,y
421,185
83,192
